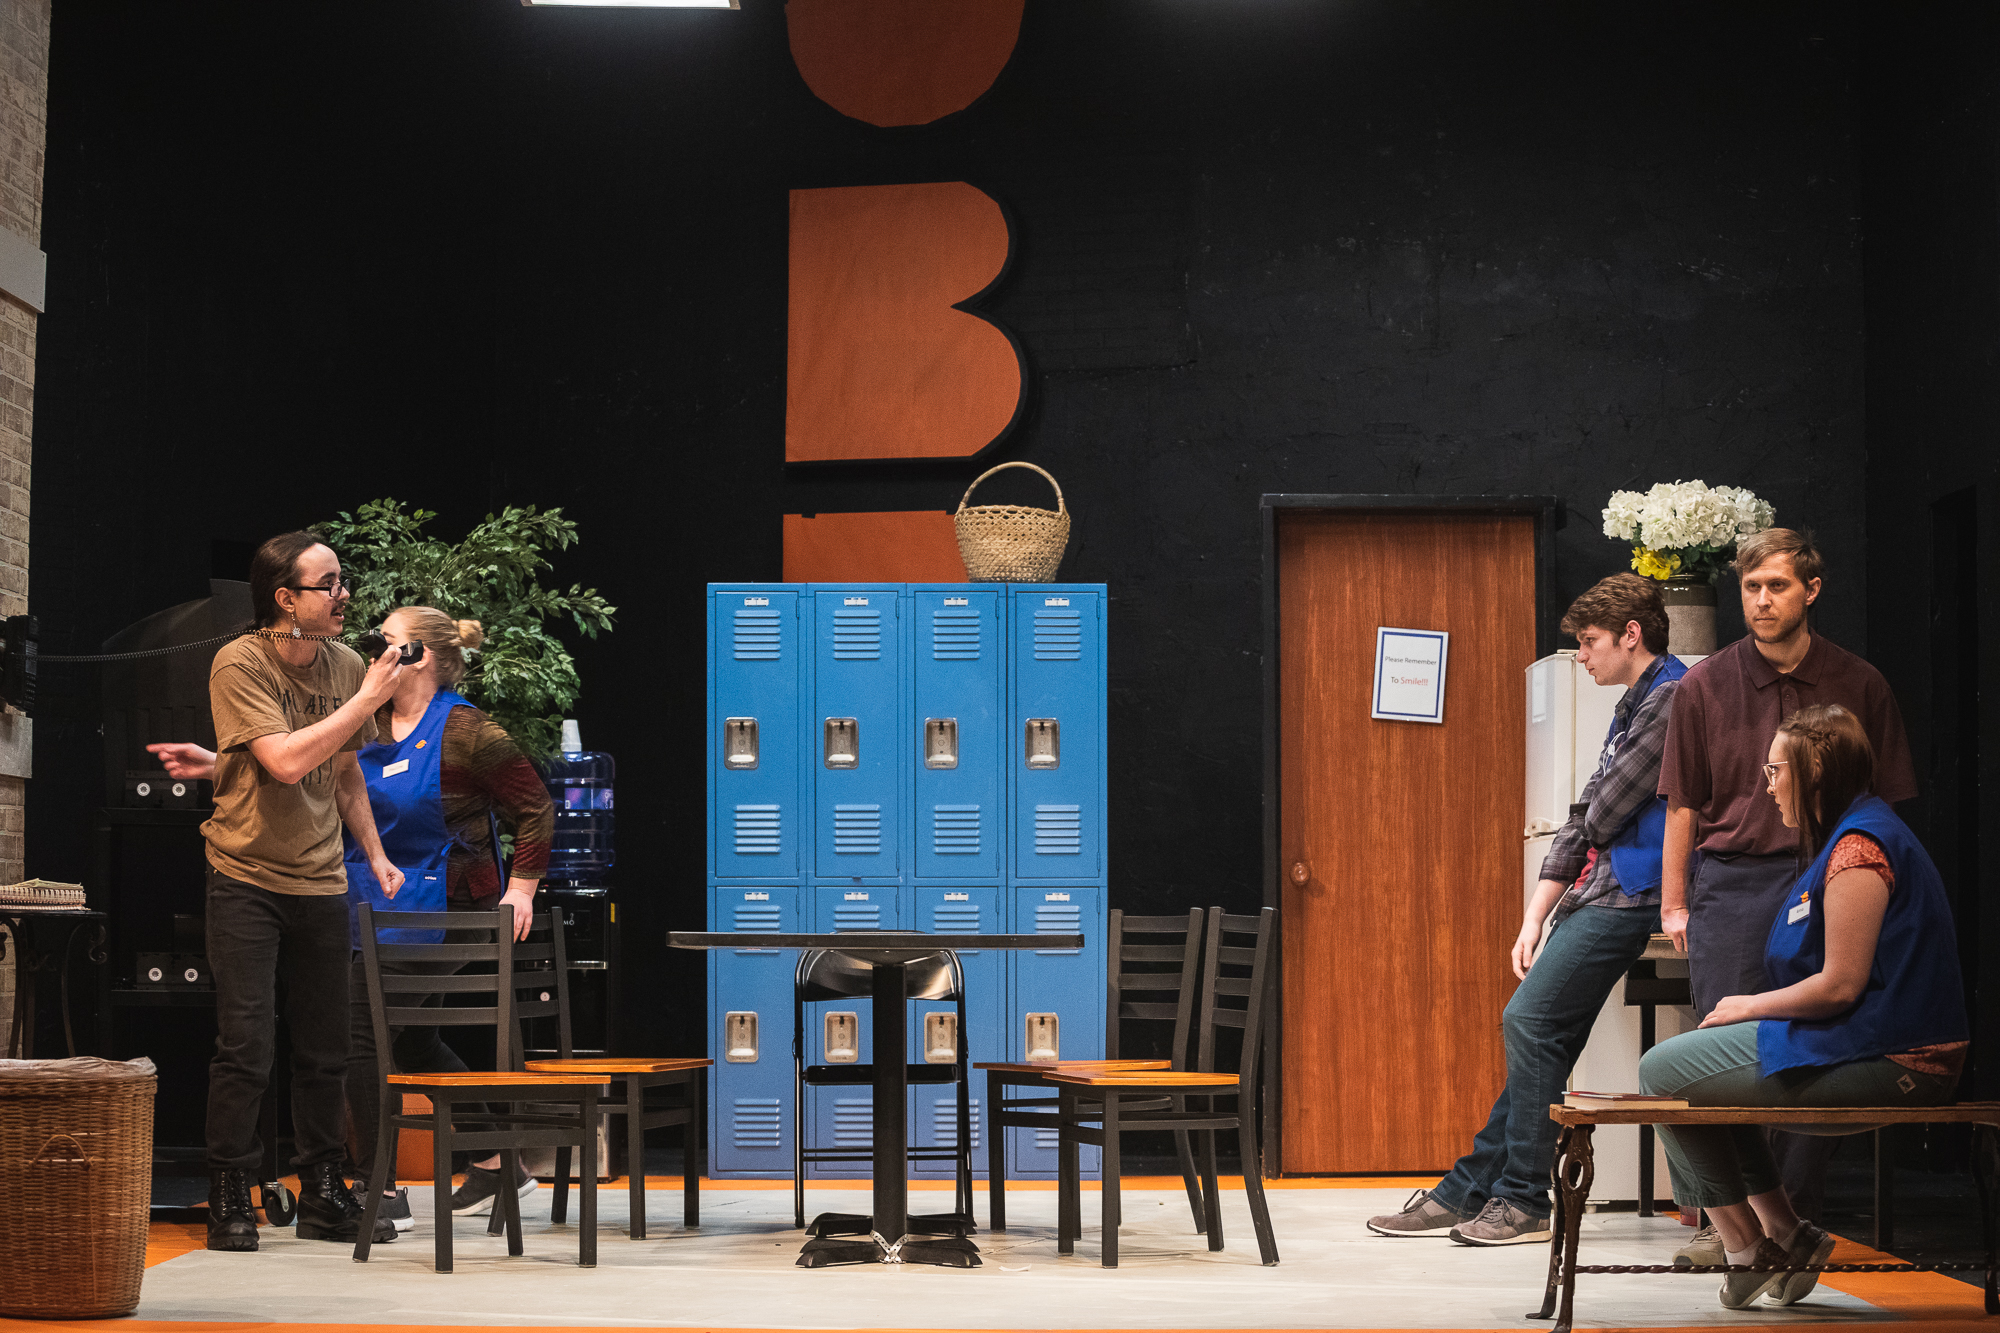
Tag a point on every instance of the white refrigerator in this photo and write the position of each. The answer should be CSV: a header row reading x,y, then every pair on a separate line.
x,y
1568,716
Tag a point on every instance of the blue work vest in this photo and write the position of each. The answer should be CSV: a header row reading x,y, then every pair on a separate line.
x,y
1635,851
406,792
1914,997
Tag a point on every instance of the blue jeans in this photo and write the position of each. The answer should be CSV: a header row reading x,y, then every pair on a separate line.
x,y
1547,1022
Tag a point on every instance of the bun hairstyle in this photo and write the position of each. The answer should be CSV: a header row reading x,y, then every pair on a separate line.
x,y
1832,764
449,639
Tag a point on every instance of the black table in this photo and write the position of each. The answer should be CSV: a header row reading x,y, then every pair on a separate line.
x,y
23,921
886,1236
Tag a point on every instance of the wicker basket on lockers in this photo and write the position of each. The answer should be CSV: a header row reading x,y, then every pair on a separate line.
x,y
1011,543
76,1166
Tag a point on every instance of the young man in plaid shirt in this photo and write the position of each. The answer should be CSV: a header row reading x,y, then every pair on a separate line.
x,y
1601,878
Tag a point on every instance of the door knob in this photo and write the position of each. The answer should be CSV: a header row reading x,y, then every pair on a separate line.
x,y
1300,872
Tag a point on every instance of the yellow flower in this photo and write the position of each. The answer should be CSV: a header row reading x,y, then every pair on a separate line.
x,y
1655,564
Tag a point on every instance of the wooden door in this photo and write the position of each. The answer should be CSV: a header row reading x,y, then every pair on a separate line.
x,y
1395,946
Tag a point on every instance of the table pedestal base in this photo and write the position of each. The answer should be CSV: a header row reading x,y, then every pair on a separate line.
x,y
851,1238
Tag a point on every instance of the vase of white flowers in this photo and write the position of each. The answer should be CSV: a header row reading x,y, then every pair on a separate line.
x,y
1684,534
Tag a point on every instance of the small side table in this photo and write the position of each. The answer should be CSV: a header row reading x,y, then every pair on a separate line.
x,y
31,928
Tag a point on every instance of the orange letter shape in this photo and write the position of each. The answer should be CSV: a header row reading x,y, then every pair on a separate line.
x,y
879,363
898,547
901,62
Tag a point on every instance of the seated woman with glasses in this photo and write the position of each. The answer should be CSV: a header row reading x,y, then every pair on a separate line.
x,y
1866,1007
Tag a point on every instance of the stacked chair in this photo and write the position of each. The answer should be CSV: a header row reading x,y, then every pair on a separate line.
x,y
829,974
555,1104
1101,1105
1153,966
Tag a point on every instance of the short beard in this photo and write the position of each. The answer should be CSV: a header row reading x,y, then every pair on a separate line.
x,y
1790,628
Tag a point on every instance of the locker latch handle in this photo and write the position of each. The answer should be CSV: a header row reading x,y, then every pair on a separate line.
x,y
842,1040
739,1037
842,742
940,742
1042,1038
940,1038
1044,743
739,742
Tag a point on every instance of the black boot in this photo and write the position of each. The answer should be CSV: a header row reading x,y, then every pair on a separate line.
x,y
328,1211
231,1223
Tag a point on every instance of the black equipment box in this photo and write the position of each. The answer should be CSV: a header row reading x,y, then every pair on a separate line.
x,y
153,789
172,971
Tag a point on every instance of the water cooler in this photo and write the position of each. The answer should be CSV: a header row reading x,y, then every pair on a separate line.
x,y
578,883
901,756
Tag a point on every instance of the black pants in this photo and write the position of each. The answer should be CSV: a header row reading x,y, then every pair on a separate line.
x,y
1732,902
417,1050
254,937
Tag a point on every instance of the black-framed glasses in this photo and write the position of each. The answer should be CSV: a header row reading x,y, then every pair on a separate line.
x,y
342,587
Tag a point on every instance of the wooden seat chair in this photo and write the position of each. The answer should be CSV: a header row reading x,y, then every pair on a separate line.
x,y
630,1079
1236,967
462,1114
1152,974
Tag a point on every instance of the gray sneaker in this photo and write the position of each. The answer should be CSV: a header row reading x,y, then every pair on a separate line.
x,y
1810,1245
1422,1215
1739,1289
1703,1248
1501,1223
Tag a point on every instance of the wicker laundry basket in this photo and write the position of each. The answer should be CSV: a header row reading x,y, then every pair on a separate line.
x,y
76,1170
1011,543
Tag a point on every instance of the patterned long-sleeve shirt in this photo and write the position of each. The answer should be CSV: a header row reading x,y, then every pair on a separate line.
x,y
1627,776
482,769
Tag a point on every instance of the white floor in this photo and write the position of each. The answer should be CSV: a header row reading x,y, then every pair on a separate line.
x,y
738,1271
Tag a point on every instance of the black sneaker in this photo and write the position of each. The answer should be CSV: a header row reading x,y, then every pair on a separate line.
x,y
232,1226
327,1210
475,1197
395,1207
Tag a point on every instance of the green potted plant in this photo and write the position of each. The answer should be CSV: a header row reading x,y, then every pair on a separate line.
x,y
1684,534
524,677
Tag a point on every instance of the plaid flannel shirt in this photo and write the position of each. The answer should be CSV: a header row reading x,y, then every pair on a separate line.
x,y
1627,777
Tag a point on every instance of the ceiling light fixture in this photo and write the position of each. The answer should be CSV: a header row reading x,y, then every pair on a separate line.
x,y
635,4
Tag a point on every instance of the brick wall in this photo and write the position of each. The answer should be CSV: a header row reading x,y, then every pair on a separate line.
x,y
24,101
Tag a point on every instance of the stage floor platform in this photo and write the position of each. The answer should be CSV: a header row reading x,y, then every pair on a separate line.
x,y
738,1272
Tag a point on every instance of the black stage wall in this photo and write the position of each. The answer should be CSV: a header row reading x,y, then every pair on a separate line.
x,y
470,254
1931,198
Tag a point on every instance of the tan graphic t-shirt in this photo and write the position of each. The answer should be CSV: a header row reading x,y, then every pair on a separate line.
x,y
284,837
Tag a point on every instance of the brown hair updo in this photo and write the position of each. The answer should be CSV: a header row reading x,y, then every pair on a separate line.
x,y
1832,763
450,639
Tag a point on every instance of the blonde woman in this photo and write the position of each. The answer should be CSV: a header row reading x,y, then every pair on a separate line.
x,y
437,773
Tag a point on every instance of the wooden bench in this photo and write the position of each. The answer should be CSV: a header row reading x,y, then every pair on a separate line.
x,y
1574,1170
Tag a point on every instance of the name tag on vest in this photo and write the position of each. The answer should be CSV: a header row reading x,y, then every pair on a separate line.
x,y
391,770
1798,913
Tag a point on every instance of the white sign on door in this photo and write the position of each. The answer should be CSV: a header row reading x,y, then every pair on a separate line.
x,y
1409,675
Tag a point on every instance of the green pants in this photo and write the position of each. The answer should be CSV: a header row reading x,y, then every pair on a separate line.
x,y
1717,1165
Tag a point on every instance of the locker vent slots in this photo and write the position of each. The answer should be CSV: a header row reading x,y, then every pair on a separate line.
x,y
857,635
756,636
1058,636
757,830
944,1122
955,919
857,830
756,1122
1058,830
955,832
955,636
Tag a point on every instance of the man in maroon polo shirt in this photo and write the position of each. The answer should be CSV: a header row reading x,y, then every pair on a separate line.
x,y
1719,817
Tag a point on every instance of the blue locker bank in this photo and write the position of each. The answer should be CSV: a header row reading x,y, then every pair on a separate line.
x,y
900,756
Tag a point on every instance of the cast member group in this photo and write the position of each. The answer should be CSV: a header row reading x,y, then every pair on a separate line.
x,y
1744,805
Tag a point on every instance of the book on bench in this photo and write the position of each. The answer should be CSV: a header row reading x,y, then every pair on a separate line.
x,y
1630,1101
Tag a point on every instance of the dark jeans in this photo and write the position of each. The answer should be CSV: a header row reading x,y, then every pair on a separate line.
x,y
416,1050
1732,902
254,937
1547,1023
